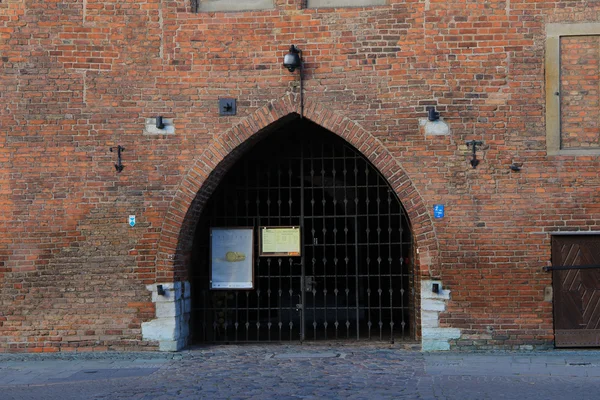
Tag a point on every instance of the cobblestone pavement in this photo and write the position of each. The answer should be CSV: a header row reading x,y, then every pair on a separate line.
x,y
302,372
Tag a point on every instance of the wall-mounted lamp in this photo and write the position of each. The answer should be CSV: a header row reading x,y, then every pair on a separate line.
x,y
159,122
515,167
118,166
473,144
432,115
160,290
293,60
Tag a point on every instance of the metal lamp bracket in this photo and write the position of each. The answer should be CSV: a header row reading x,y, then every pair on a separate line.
x,y
119,165
474,144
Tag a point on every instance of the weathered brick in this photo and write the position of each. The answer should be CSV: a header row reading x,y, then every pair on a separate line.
x,y
77,82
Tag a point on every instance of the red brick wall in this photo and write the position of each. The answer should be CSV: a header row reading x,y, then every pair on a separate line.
x,y
580,87
79,77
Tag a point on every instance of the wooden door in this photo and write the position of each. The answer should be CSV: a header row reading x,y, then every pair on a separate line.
x,y
576,286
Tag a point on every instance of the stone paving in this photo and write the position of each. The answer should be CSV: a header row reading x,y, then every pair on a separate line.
x,y
302,372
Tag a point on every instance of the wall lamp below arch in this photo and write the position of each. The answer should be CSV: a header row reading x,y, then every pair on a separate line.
x,y
292,61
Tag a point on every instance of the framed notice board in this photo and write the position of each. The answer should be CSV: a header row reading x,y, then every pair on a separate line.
x,y
279,241
231,258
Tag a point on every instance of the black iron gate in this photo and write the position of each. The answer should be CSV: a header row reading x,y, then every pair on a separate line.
x,y
354,278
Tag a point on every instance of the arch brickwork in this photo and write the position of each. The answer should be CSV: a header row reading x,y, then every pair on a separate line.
x,y
202,178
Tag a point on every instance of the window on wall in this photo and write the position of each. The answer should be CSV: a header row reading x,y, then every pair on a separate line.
x,y
573,89
247,5
231,5
343,3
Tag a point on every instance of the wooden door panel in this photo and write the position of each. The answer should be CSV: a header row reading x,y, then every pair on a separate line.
x,y
576,290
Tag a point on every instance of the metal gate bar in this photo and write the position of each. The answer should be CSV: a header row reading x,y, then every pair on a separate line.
x,y
356,246
567,267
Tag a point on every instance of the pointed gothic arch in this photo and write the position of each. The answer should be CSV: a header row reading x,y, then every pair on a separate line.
x,y
196,187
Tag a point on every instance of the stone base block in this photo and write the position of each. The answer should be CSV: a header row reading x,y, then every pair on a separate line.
x,y
171,325
171,345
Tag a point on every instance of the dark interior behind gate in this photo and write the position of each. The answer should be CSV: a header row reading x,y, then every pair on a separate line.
x,y
354,278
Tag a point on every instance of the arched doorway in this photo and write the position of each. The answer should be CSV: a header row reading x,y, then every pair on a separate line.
x,y
354,279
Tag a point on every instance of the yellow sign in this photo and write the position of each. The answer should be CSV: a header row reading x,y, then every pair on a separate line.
x,y
280,240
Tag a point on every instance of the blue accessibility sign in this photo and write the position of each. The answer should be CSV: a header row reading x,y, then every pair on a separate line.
x,y
438,211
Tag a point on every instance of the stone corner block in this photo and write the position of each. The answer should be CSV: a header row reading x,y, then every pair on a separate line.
x,y
430,319
427,291
168,309
171,325
160,329
187,306
441,333
173,292
151,129
434,128
433,305
186,290
171,345
434,345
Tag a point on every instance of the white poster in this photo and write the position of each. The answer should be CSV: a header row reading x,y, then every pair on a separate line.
x,y
232,258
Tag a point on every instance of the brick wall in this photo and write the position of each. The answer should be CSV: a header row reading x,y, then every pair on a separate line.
x,y
80,77
580,87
